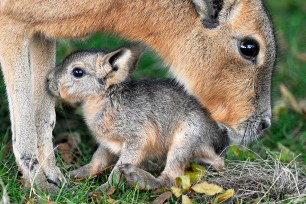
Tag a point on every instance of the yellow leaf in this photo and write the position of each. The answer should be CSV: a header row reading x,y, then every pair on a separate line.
x,y
194,176
183,181
207,188
111,201
186,200
224,196
195,172
236,150
176,191
197,167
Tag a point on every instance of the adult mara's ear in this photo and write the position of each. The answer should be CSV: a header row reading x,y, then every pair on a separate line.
x,y
115,67
208,11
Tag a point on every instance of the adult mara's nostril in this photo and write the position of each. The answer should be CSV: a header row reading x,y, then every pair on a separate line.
x,y
265,123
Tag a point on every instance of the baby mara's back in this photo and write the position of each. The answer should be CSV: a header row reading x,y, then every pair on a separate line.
x,y
158,112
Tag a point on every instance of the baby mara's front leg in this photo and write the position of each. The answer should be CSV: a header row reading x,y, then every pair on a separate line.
x,y
101,159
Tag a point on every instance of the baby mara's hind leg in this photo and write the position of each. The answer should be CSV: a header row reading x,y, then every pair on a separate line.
x,y
146,181
177,158
101,158
207,155
179,154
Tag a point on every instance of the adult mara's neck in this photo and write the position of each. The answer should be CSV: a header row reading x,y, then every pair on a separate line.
x,y
162,24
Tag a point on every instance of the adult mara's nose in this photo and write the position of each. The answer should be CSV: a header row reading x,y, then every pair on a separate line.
x,y
264,123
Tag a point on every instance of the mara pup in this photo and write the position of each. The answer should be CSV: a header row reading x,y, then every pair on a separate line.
x,y
222,51
135,120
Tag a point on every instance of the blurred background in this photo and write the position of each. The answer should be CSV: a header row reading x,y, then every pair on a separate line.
x,y
287,134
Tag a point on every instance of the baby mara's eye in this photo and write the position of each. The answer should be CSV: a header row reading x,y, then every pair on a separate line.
x,y
78,72
249,49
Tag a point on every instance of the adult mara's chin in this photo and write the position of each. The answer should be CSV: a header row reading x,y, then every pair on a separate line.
x,y
252,128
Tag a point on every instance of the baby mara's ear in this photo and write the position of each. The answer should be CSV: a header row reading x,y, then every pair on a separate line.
x,y
115,67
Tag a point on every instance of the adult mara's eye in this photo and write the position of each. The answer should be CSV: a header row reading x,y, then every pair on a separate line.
x,y
249,49
78,72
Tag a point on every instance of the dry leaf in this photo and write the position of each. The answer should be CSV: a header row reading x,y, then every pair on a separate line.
x,y
186,200
111,191
207,188
183,181
97,195
111,201
302,56
162,198
224,196
68,146
31,201
176,191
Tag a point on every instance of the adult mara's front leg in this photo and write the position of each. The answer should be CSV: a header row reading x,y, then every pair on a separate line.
x,y
42,59
15,64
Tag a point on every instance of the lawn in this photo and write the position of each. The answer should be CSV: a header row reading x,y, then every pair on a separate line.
x,y
285,140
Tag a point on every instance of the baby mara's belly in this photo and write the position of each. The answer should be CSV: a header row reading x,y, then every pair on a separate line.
x,y
113,145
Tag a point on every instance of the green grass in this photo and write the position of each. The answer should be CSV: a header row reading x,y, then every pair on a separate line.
x,y
287,134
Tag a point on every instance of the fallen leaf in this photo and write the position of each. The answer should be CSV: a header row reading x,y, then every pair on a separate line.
x,y
111,201
96,195
68,146
111,191
302,56
31,201
207,188
195,172
162,198
224,196
186,200
177,191
183,181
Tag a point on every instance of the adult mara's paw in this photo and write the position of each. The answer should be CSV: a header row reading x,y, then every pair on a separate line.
x,y
50,180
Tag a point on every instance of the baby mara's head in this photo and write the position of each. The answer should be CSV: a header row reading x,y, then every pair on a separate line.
x,y
88,73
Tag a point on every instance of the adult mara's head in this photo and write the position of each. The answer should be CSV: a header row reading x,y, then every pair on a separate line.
x,y
227,60
232,66
223,52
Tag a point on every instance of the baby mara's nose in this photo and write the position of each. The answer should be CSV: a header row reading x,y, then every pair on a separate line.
x,y
50,77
